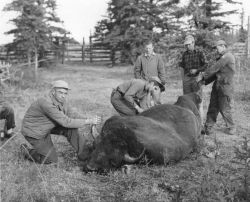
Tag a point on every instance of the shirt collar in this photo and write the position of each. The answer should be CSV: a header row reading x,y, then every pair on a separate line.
x,y
147,55
192,51
55,102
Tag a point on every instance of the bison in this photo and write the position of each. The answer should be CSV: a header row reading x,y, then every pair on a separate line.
x,y
167,132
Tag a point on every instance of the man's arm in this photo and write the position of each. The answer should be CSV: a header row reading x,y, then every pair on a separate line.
x,y
136,86
59,117
137,68
204,62
211,71
161,70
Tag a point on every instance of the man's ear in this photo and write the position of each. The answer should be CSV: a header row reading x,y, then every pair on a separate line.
x,y
198,97
53,91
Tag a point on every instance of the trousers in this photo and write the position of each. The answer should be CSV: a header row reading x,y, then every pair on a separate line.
x,y
43,150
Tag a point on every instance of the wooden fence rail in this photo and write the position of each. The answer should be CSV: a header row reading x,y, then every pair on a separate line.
x,y
91,53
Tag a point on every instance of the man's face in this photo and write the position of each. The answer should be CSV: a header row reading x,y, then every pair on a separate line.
x,y
156,94
149,48
60,94
190,46
220,48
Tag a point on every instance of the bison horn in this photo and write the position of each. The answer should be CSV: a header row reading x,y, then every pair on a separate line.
x,y
130,159
90,168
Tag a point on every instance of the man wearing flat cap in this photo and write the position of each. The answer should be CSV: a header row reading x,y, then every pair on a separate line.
x,y
52,115
193,62
134,96
221,100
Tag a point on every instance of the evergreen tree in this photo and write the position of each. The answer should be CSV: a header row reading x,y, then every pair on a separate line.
x,y
33,30
130,22
206,19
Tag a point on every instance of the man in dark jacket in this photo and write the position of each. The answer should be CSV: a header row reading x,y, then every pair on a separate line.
x,y
52,115
150,64
134,96
193,62
7,118
221,100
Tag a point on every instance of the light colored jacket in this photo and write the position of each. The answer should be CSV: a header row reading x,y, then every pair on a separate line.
x,y
149,66
45,114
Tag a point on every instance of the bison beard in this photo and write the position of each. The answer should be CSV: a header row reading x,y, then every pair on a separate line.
x,y
166,132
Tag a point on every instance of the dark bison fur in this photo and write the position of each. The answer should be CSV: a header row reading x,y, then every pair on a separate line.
x,y
167,132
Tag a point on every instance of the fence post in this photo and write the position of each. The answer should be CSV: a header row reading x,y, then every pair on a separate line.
x,y
90,49
83,50
248,37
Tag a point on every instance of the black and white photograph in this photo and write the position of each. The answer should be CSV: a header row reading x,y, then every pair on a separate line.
x,y
124,101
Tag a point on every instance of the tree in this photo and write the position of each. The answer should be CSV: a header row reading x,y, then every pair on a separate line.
x,y
34,30
206,19
131,22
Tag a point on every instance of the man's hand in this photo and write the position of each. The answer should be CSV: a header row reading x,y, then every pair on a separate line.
x,y
193,71
95,120
200,77
138,109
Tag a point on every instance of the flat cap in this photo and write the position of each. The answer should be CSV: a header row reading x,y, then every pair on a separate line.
x,y
156,80
220,42
60,84
188,39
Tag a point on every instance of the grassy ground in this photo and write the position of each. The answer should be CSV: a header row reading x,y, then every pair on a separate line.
x,y
197,178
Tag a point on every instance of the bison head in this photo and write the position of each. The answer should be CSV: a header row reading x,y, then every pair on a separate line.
x,y
114,146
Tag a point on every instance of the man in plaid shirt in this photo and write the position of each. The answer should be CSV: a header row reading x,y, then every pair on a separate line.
x,y
193,62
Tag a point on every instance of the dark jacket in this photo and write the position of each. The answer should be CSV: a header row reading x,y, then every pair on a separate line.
x,y
222,72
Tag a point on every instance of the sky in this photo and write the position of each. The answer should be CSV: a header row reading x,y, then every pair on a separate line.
x,y
80,16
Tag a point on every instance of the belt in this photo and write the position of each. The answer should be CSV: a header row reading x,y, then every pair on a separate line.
x,y
119,91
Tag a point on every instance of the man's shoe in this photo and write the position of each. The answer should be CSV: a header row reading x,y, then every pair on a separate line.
x,y
231,131
24,150
2,135
208,130
9,135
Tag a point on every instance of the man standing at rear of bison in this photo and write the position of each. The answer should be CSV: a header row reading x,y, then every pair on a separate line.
x,y
221,100
149,64
193,62
52,115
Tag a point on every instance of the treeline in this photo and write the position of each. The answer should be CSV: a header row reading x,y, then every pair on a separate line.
x,y
166,22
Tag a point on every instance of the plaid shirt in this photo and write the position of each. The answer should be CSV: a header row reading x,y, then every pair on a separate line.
x,y
195,59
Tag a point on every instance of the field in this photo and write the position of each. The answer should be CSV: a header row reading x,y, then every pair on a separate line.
x,y
208,175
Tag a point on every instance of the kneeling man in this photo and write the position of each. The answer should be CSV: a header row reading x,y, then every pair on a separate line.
x,y
52,115
7,120
134,96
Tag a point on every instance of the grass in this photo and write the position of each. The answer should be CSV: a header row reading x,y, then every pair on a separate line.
x,y
196,178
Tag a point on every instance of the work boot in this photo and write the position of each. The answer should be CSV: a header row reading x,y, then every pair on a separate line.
x,y
231,131
9,134
208,130
25,151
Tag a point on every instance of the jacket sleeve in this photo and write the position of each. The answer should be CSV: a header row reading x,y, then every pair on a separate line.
x,y
59,117
137,68
181,63
161,70
204,62
131,92
211,71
